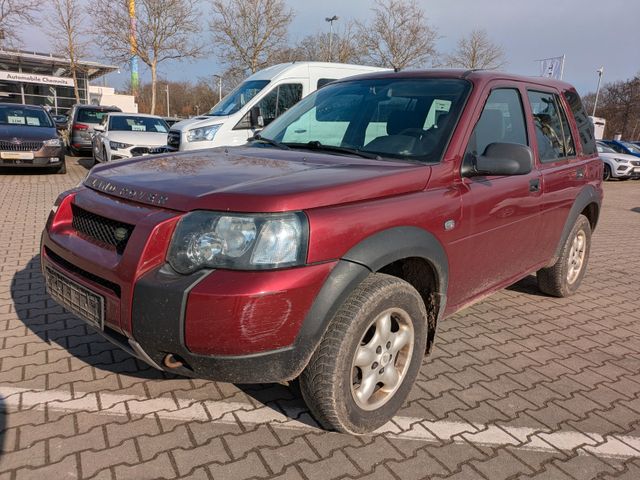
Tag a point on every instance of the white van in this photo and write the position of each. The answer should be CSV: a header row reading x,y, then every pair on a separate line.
x,y
256,102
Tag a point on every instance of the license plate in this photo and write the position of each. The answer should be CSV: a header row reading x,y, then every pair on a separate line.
x,y
636,169
16,155
81,301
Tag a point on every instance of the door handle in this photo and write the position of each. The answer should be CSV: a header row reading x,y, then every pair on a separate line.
x,y
534,185
580,173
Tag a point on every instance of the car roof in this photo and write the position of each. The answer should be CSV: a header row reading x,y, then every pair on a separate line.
x,y
475,76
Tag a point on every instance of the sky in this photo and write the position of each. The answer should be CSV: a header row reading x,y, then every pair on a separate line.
x,y
590,33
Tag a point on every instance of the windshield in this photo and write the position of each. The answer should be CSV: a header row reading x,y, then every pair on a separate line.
x,y
605,149
633,148
405,118
238,98
137,124
28,117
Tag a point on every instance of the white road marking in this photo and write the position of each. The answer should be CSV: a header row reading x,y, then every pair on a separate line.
x,y
408,428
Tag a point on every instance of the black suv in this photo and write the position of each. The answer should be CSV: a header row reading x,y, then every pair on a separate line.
x,y
82,120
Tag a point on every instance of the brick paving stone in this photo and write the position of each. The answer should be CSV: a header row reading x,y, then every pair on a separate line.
x,y
150,446
30,434
61,447
159,467
417,466
278,458
64,469
335,466
92,461
188,458
380,450
248,467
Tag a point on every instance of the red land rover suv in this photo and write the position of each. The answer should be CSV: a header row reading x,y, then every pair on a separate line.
x,y
331,245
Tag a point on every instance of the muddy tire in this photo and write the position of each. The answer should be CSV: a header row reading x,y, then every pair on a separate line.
x,y
367,362
563,278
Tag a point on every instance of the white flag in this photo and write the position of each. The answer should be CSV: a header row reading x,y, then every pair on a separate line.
x,y
551,67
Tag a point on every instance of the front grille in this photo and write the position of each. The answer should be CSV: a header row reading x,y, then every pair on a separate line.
x,y
173,139
14,146
114,287
101,229
137,151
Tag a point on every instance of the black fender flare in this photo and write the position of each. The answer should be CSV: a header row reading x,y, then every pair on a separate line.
x,y
370,255
586,197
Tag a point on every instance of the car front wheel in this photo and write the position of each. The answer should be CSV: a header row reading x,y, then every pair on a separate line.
x,y
367,361
606,175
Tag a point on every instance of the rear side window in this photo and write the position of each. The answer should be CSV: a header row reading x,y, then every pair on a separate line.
x,y
585,127
502,121
553,134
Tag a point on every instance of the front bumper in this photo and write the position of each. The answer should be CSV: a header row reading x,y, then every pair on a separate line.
x,y
45,157
627,171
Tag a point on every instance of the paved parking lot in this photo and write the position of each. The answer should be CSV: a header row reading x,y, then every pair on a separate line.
x,y
519,386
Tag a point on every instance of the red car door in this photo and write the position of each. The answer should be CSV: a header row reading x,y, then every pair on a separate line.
x,y
500,214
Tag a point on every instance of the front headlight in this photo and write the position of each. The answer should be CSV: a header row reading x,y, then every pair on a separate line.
x,y
239,242
117,145
54,142
202,133
621,160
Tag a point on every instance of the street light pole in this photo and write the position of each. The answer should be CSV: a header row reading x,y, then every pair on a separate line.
x,y
331,20
167,90
219,86
595,103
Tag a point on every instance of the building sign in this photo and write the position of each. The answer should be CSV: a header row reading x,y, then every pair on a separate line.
x,y
36,78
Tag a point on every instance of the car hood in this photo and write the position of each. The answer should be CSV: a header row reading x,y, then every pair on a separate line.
x,y
250,179
139,138
27,133
196,122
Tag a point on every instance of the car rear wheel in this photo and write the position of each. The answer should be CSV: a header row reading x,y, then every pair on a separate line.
x,y
563,278
606,175
367,362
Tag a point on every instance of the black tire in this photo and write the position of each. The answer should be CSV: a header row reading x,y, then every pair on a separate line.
x,y
327,383
562,279
606,174
62,169
104,155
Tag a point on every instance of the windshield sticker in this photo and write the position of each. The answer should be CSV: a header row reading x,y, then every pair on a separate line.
x,y
138,128
13,120
33,121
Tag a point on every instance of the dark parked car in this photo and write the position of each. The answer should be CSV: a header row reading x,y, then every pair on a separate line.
x,y
331,246
82,120
28,138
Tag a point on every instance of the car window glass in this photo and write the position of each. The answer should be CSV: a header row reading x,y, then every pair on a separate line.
x,y
323,81
89,115
238,98
631,147
501,121
583,122
552,128
605,149
137,124
382,117
279,100
29,117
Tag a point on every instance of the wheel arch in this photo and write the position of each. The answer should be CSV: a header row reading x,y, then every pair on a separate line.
x,y
587,203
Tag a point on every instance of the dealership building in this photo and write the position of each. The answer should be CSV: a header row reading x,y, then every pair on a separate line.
x,y
42,79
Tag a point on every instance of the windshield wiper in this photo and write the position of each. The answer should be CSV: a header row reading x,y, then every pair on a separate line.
x,y
316,145
275,143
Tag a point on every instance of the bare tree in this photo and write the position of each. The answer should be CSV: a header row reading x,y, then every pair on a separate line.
x,y
344,45
477,51
399,35
248,33
165,31
14,14
66,34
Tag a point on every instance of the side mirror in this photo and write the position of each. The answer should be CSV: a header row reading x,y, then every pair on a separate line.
x,y
501,159
255,118
99,128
